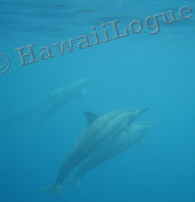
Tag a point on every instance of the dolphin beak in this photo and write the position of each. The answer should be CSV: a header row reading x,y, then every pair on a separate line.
x,y
143,110
152,123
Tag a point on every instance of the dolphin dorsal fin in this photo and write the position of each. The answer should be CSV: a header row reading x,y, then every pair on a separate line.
x,y
91,117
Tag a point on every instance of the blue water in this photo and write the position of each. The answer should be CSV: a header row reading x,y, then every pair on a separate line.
x,y
139,70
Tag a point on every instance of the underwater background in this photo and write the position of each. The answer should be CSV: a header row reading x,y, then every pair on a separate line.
x,y
139,70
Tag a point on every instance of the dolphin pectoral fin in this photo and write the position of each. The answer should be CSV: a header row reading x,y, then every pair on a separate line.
x,y
73,182
91,117
56,190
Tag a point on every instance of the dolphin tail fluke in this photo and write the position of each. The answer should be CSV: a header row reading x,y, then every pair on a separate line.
x,y
56,190
73,182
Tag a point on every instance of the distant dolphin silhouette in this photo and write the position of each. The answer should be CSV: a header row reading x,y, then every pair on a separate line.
x,y
115,146
60,96
94,135
56,100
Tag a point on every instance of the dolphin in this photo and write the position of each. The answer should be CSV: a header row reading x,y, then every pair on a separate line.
x,y
52,103
60,96
115,146
93,136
